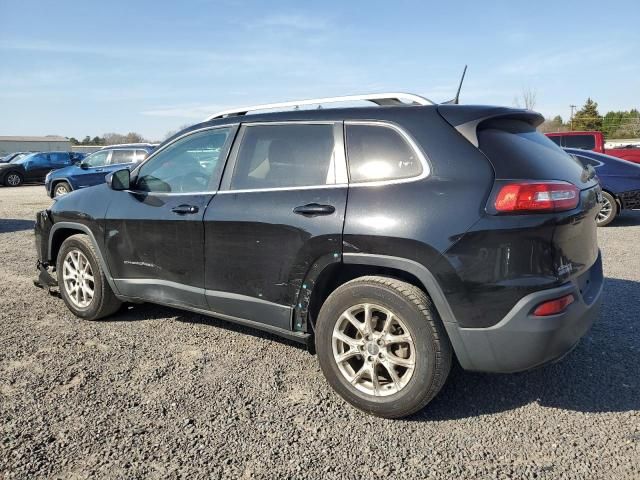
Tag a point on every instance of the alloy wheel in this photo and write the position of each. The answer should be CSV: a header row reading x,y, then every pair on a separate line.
x,y
13,179
606,210
60,190
373,349
77,277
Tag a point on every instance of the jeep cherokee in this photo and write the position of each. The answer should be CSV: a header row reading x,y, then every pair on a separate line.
x,y
387,238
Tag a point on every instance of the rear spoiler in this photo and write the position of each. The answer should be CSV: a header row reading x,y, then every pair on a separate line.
x,y
466,118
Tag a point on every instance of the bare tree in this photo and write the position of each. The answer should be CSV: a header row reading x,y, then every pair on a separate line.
x,y
527,99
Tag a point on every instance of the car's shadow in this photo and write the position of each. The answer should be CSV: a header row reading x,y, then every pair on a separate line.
x,y
600,375
627,218
8,225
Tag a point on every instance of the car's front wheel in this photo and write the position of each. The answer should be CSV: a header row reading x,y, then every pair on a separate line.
x,y
13,179
608,210
60,189
382,346
82,282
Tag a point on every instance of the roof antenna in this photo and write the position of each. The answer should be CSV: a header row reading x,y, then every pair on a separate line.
x,y
456,99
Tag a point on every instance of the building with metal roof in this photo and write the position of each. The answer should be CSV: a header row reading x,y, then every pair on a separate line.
x,y
51,143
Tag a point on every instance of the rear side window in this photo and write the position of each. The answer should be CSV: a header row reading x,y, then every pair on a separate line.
x,y
277,156
517,151
122,156
585,142
377,152
556,140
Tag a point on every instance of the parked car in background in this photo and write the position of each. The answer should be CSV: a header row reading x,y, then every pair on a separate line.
x,y
593,141
311,224
620,181
92,170
13,156
35,166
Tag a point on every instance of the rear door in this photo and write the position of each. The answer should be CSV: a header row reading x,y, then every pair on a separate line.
x,y
280,211
154,232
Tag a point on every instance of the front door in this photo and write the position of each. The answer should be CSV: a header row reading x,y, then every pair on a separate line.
x,y
92,170
154,233
280,211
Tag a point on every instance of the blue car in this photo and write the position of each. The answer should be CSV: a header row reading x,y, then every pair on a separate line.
x,y
35,166
620,181
92,170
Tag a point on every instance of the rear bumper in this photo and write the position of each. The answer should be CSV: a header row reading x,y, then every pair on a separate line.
x,y
521,341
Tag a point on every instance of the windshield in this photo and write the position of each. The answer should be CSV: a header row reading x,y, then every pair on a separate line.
x,y
23,158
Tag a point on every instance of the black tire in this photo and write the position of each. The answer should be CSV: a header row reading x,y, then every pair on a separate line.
x,y
60,188
433,352
104,302
13,179
603,220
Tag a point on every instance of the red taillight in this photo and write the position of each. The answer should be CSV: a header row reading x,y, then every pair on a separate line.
x,y
532,196
553,307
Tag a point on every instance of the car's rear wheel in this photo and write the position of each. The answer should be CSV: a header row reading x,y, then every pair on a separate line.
x,y
608,210
61,188
83,285
13,179
382,346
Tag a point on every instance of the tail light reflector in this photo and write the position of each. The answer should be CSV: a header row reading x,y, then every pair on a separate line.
x,y
533,196
553,307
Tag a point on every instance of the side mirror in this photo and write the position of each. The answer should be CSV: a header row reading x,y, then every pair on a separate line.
x,y
119,180
83,165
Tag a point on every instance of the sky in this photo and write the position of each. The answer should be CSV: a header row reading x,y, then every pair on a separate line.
x,y
77,68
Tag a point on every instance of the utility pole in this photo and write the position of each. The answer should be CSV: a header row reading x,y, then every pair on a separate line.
x,y
572,109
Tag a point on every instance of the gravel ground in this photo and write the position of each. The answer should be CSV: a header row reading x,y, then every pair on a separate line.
x,y
155,393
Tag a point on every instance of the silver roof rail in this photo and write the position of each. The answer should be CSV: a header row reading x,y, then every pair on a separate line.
x,y
377,98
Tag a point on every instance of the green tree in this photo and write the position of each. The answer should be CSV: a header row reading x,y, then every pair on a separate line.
x,y
74,141
86,140
588,117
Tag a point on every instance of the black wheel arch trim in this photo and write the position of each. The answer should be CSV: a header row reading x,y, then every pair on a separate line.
x,y
81,228
56,181
430,284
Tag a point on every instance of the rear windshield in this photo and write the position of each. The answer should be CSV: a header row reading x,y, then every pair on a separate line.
x,y
517,151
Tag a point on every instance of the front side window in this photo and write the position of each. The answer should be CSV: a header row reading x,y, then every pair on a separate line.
x,y
191,164
122,156
97,159
555,139
277,156
377,152
585,142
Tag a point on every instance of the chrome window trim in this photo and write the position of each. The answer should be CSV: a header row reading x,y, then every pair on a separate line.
x,y
283,189
426,168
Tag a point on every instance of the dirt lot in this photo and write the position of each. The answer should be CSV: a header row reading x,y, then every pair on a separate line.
x,y
158,393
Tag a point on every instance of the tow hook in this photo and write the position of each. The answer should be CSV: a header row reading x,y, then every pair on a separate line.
x,y
44,278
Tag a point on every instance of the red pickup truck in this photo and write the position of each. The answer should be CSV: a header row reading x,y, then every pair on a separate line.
x,y
593,141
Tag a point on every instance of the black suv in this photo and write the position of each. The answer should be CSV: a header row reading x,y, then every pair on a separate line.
x,y
386,238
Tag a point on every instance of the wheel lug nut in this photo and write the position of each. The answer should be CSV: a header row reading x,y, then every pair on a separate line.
x,y
380,355
370,359
380,342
